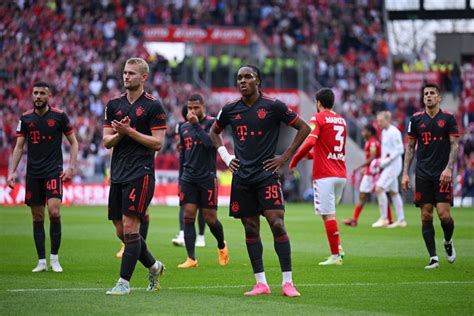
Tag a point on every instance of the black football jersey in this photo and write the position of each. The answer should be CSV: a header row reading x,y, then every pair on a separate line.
x,y
130,159
255,131
198,154
44,139
432,138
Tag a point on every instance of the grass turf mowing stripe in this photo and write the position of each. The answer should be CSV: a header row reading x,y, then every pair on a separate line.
x,y
244,286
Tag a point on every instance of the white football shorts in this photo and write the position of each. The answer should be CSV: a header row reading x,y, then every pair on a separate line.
x,y
367,184
388,179
327,193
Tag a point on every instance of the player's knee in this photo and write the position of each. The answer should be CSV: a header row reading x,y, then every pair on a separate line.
x,y
38,217
445,217
427,216
278,227
53,212
210,217
251,231
379,190
189,219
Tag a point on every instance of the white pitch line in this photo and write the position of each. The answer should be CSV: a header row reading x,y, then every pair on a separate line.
x,y
244,286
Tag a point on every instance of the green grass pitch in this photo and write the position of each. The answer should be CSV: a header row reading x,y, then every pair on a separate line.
x,y
383,272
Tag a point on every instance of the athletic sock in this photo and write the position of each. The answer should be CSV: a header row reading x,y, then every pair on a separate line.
x,y
255,251
261,278
218,233
283,250
448,229
181,219
383,204
389,214
428,232
146,258
144,226
357,210
332,232
287,277
398,203
201,223
130,255
39,237
190,236
55,234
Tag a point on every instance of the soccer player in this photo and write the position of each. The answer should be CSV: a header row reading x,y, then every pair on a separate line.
x,y
434,135
391,165
134,127
179,239
42,128
198,181
256,190
328,139
367,184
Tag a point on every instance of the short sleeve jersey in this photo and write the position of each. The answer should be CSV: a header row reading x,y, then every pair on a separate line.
x,y
433,144
255,131
198,155
130,159
371,147
44,139
329,153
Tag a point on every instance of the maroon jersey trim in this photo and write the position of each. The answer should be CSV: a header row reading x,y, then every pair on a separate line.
x,y
293,120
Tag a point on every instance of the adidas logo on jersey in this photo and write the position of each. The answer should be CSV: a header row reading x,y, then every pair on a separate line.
x,y
132,208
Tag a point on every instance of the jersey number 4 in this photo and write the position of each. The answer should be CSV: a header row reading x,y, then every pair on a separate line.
x,y
339,130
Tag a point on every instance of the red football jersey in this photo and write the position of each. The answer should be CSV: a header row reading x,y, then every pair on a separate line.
x,y
329,153
372,146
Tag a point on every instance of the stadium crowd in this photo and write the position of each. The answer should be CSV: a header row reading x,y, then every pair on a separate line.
x,y
80,47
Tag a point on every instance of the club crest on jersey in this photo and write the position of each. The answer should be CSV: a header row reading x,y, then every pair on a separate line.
x,y
235,207
51,122
441,123
139,111
262,113
417,196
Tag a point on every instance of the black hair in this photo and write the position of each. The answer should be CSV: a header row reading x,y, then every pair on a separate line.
x,y
326,97
254,69
184,111
41,84
430,85
196,97
371,129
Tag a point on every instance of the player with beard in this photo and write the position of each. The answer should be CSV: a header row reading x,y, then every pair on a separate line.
x,y
433,134
42,128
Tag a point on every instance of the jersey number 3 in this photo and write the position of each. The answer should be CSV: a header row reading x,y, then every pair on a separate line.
x,y
339,130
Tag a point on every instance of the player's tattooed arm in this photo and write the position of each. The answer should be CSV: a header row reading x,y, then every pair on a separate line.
x,y
409,154
447,174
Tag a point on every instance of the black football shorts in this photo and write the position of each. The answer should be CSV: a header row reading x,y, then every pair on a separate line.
x,y
131,198
252,199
